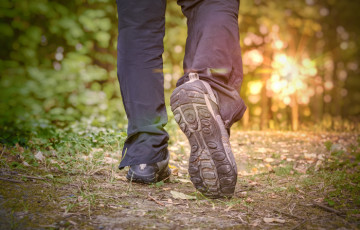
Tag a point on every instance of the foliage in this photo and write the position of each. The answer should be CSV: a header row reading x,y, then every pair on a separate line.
x,y
311,34
343,172
58,68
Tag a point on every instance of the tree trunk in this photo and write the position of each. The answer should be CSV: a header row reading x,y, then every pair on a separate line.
x,y
294,112
245,119
264,106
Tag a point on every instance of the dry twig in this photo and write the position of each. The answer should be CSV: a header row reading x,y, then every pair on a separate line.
x,y
327,208
298,225
156,201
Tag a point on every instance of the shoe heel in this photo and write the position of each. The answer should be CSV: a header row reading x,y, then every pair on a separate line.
x,y
212,167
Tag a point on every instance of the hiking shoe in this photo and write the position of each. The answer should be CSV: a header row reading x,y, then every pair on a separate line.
x,y
212,165
149,173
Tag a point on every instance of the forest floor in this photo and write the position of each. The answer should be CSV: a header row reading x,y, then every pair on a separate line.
x,y
287,180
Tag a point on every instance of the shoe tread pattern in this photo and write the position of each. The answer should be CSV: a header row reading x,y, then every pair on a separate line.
x,y
212,171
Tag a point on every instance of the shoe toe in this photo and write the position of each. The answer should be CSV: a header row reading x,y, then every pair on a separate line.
x,y
137,173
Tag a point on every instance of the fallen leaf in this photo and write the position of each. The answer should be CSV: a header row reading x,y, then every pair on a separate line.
x,y
262,150
172,166
253,183
174,170
182,196
243,173
184,180
19,148
39,156
300,168
269,160
273,196
310,156
173,148
243,194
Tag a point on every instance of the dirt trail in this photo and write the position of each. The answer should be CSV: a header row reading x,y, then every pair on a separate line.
x,y
282,184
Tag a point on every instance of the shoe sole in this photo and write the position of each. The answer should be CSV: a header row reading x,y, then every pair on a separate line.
x,y
165,175
212,166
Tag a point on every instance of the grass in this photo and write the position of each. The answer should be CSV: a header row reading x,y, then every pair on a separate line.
x,y
86,180
285,170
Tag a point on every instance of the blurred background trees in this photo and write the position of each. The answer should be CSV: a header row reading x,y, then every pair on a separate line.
x,y
301,63
58,64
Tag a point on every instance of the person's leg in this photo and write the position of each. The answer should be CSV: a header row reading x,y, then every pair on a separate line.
x,y
213,51
139,61
206,101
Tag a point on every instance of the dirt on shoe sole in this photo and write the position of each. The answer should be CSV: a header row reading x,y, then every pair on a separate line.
x,y
212,166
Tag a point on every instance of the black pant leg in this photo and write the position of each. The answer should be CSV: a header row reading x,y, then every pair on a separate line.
x,y
213,51
141,29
